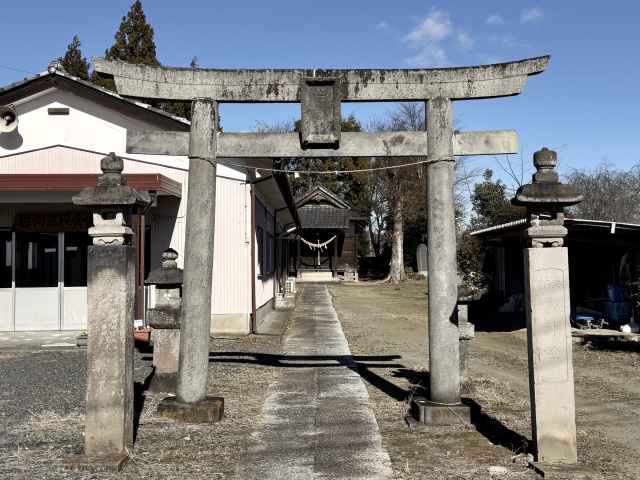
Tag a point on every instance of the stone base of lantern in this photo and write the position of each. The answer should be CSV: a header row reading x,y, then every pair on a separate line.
x,y
209,410
559,471
163,383
104,463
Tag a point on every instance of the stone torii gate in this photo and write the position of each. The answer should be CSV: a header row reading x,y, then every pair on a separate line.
x,y
320,93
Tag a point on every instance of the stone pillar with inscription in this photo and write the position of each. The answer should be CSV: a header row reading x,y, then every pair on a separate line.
x,y
422,260
111,265
547,305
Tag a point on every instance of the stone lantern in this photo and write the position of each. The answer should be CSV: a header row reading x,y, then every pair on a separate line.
x,y
545,199
111,266
112,202
165,321
546,289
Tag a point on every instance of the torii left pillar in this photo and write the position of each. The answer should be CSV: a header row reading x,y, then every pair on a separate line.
x,y
191,404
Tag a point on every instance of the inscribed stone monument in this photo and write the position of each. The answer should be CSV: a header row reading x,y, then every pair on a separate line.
x,y
422,260
547,306
110,296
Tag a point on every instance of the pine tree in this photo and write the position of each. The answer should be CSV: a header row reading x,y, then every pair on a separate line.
x,y
73,61
134,43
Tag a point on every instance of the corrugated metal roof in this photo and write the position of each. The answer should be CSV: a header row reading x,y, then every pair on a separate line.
x,y
611,225
502,226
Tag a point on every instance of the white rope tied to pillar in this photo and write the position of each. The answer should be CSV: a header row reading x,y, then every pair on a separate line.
x,y
318,245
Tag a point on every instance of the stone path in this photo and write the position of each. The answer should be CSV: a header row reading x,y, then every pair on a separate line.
x,y
316,422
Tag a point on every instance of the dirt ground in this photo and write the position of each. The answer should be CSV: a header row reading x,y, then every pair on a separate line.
x,y
42,402
387,320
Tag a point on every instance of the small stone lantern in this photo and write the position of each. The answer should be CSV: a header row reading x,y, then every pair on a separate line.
x,y
546,290
165,321
466,329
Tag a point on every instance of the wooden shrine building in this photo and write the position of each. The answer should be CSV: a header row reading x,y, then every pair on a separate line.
x,y
326,247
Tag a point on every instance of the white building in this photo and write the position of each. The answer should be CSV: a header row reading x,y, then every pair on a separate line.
x,y
65,126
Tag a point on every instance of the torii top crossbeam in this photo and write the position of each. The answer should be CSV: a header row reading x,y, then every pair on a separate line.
x,y
320,93
283,85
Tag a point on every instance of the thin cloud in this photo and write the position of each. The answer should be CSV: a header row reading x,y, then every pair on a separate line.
x,y
494,19
506,40
531,14
464,40
434,28
429,56
432,37
382,25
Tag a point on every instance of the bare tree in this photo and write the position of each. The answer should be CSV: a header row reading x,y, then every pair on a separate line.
x,y
401,184
609,194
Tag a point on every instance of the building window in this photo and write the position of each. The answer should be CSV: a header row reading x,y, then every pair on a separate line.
x,y
268,254
36,260
6,260
260,250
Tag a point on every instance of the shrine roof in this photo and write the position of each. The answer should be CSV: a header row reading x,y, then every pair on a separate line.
x,y
319,195
324,217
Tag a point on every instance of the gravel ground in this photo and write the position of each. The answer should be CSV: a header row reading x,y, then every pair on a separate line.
x,y
387,320
27,376
42,402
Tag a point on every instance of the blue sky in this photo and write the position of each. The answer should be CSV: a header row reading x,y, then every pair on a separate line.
x,y
585,105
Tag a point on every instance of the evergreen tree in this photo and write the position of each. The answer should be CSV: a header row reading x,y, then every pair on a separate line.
x,y
134,39
73,61
134,43
342,185
491,205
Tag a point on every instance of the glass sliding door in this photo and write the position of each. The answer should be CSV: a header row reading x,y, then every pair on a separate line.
x,y
74,301
37,281
6,281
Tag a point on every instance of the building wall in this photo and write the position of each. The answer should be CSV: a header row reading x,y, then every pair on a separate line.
x,y
264,285
99,130
232,248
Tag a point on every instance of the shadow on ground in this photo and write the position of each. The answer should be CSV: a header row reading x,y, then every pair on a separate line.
x,y
488,426
139,389
612,345
497,432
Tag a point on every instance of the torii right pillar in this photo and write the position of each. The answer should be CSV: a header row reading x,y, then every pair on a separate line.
x,y
547,306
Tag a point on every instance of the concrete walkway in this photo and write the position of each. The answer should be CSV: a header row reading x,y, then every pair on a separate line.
x,y
38,340
316,422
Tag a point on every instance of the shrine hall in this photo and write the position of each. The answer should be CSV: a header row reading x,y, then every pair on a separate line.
x,y
326,247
